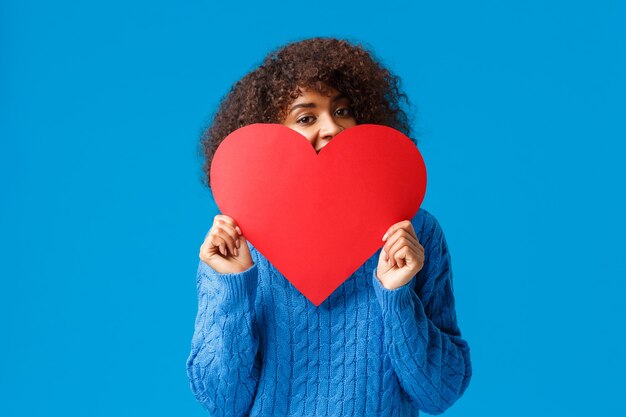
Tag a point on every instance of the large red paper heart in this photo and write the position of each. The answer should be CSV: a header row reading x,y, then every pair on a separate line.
x,y
317,217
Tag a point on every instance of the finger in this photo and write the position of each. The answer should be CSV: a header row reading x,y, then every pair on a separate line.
x,y
405,225
400,233
228,233
393,259
396,251
402,256
414,254
230,224
406,233
222,218
400,261
218,243
230,246
411,231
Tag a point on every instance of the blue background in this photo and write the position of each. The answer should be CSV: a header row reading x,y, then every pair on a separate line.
x,y
520,113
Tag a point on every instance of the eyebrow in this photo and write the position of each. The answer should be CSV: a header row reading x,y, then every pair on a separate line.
x,y
312,105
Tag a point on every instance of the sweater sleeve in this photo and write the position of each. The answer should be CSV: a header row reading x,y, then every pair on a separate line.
x,y
224,364
422,338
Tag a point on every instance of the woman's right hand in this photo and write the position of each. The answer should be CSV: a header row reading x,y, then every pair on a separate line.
x,y
224,248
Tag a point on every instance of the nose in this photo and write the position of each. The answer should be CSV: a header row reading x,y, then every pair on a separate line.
x,y
328,129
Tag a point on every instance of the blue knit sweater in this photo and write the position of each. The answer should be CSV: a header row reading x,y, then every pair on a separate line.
x,y
260,348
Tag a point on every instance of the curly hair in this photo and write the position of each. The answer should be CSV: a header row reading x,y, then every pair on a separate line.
x,y
264,94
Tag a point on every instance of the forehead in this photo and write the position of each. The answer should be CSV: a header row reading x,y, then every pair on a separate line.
x,y
307,93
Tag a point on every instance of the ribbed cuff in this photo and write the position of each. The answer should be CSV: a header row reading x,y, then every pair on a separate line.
x,y
235,286
240,285
400,298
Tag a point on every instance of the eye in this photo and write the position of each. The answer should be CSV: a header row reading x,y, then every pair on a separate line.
x,y
344,112
304,120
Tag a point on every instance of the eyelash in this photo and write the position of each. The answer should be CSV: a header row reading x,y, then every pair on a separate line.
x,y
342,108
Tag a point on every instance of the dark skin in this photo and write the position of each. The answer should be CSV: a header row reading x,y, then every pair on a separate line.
x,y
318,118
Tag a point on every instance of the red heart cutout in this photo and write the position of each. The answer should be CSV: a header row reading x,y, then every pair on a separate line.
x,y
317,217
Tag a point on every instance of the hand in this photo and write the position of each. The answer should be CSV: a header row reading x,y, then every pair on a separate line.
x,y
224,248
402,256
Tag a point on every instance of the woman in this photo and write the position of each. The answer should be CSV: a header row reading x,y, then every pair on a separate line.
x,y
384,343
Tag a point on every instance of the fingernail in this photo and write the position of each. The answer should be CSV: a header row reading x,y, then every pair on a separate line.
x,y
385,237
239,230
237,243
236,252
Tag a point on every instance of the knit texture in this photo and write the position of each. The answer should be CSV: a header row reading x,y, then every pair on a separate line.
x,y
260,348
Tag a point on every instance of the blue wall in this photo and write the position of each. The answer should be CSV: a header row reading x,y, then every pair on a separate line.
x,y
520,113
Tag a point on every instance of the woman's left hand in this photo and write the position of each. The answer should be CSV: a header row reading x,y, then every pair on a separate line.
x,y
402,256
